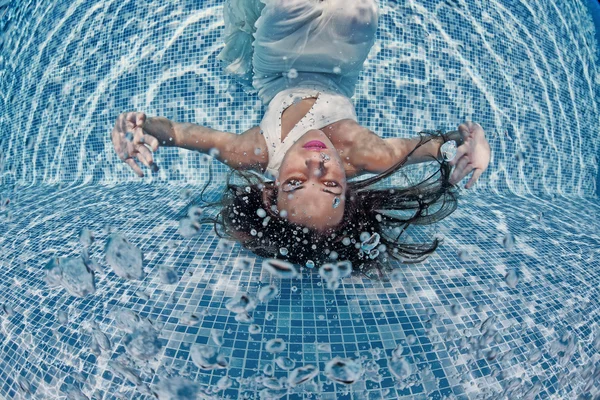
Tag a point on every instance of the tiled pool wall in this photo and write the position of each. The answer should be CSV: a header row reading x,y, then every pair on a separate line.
x,y
594,9
527,71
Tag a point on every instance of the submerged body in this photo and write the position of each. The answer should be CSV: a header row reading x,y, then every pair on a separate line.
x,y
303,57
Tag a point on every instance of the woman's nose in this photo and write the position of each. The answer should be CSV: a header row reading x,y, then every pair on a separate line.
x,y
316,162
316,166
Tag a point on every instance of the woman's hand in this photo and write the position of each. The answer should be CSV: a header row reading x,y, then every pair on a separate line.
x,y
472,155
129,140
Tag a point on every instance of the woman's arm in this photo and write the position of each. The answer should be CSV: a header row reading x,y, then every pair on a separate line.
x,y
245,151
472,153
427,152
378,155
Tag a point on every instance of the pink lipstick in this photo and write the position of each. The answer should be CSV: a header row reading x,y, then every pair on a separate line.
x,y
315,144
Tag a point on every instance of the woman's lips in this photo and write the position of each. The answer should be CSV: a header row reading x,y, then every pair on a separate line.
x,y
315,144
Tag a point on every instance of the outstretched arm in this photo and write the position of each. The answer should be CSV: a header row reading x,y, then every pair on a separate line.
x,y
473,153
385,153
135,135
245,151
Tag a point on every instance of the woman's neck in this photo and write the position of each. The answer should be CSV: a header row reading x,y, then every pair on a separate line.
x,y
293,114
342,141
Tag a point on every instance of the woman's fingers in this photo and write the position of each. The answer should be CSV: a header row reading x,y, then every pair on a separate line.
x,y
134,122
464,172
151,141
472,133
460,152
136,168
465,129
144,155
126,148
461,170
468,126
474,178
119,143
140,119
122,123
135,119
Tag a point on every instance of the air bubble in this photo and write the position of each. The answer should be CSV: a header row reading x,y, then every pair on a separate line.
x,y
369,242
276,345
511,278
508,241
267,293
240,303
254,329
400,367
343,370
206,357
217,337
279,268
397,352
292,73
302,374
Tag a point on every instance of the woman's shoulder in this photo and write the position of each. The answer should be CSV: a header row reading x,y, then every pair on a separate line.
x,y
362,149
351,132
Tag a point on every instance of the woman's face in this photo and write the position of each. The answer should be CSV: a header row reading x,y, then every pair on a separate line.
x,y
312,183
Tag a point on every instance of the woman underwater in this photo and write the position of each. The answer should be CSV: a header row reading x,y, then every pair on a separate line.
x,y
303,57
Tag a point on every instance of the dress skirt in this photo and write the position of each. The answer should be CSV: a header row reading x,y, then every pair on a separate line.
x,y
274,45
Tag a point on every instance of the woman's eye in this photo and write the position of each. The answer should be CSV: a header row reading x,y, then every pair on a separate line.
x,y
331,184
294,182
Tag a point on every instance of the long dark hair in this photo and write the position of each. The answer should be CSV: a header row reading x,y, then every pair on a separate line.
x,y
372,231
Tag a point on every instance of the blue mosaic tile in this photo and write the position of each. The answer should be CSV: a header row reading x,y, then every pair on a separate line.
x,y
526,71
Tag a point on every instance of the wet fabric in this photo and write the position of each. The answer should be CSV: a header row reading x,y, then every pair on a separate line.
x,y
288,50
273,45
327,109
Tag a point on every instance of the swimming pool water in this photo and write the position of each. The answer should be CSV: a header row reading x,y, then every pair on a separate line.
x,y
506,308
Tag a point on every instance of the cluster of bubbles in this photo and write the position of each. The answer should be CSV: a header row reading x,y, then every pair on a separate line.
x,y
208,357
398,365
77,274
333,273
72,274
369,245
142,344
140,336
124,257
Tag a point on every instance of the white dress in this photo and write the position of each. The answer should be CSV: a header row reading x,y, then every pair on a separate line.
x,y
290,49
272,45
